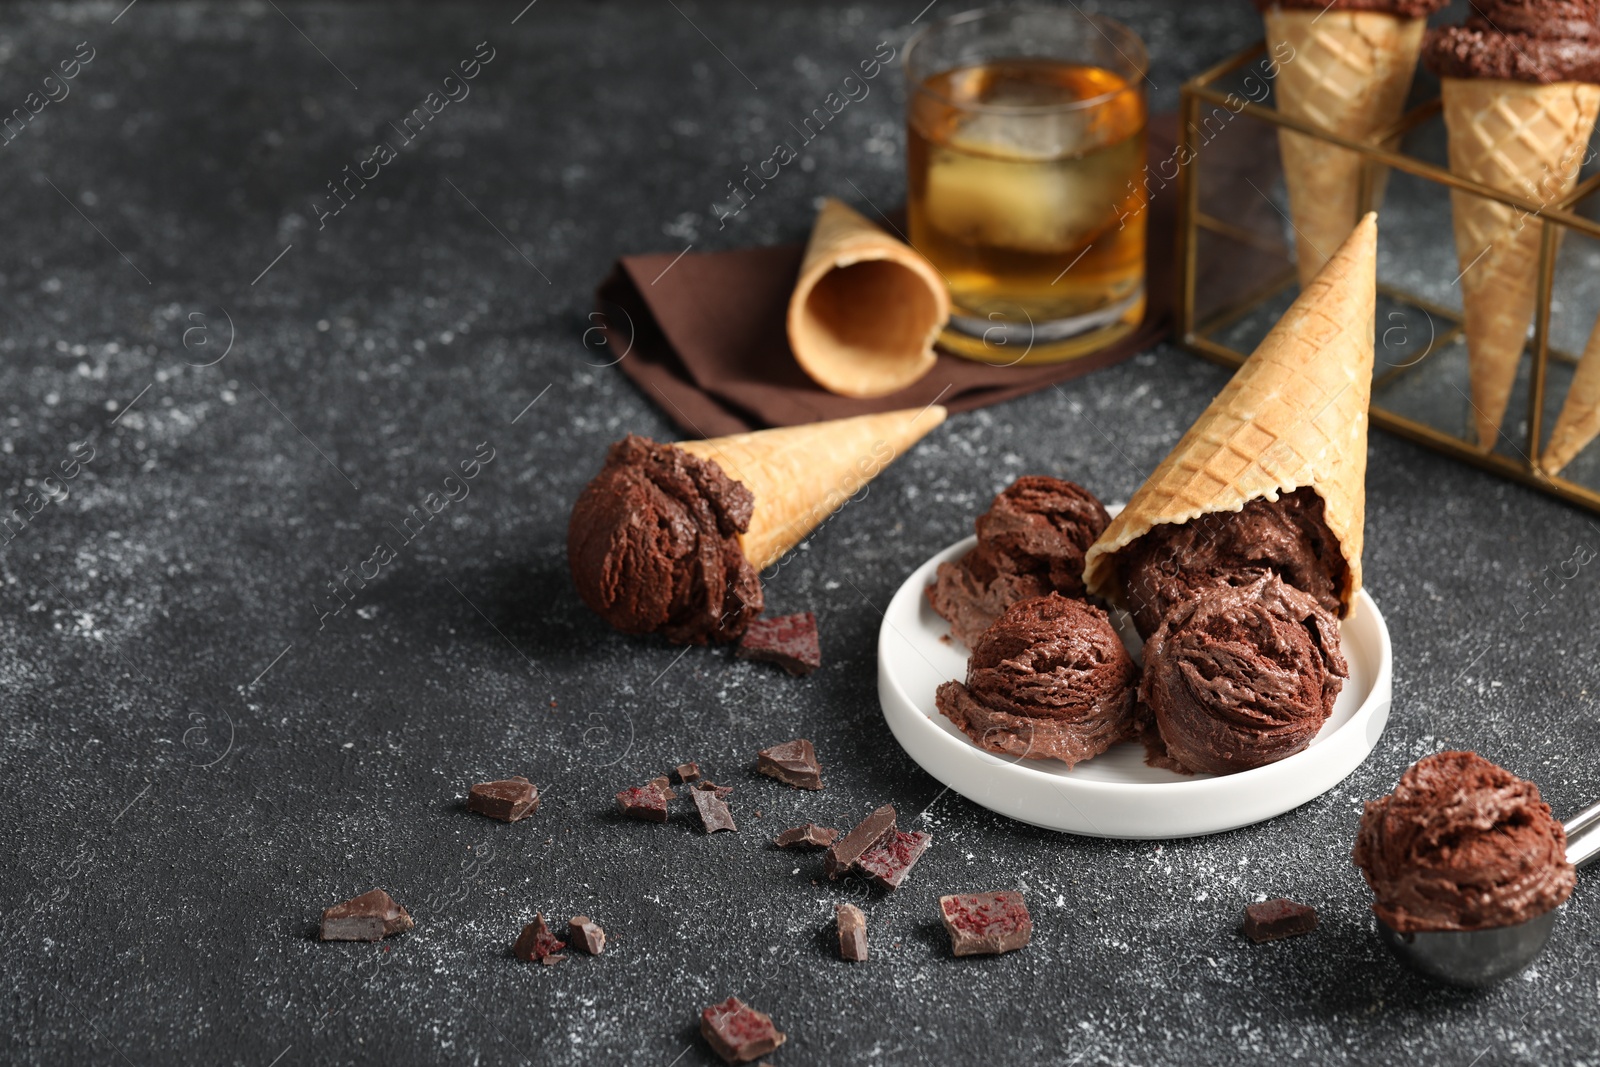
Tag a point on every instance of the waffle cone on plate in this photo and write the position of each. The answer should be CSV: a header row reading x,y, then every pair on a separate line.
x,y
800,475
1350,73
867,308
1523,138
1579,422
1294,415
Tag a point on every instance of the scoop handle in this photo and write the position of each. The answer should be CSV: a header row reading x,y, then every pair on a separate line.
x,y
1583,836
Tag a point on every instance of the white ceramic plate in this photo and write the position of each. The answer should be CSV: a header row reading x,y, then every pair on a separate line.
x,y
1116,794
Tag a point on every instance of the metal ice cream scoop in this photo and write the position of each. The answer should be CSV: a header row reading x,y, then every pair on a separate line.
x,y
1482,957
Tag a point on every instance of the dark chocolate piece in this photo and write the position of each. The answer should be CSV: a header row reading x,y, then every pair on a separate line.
x,y
1274,919
585,935
664,787
739,1033
507,800
876,829
643,802
889,863
808,836
986,924
852,923
790,641
707,785
714,813
372,916
688,772
792,763
536,942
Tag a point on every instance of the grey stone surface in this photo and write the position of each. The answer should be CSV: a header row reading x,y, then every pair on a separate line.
x,y
193,765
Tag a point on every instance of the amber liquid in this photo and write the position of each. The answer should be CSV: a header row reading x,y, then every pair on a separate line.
x,y
1030,214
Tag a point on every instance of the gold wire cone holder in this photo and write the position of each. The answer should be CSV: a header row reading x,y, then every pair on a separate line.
x,y
1261,266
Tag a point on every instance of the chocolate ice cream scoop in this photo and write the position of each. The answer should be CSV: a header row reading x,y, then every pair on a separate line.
x,y
1406,9
1049,680
1242,675
1287,536
1031,542
653,545
1462,844
1540,41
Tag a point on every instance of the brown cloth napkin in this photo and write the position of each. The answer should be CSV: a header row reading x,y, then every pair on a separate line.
x,y
704,333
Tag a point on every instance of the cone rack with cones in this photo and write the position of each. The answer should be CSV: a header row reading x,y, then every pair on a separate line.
x,y
1260,273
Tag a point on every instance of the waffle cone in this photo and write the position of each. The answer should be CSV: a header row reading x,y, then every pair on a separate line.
x,y
1350,73
1294,415
800,475
1526,139
867,308
1579,422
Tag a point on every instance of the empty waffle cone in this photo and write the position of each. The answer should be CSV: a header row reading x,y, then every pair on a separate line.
x,y
867,308
1350,73
800,475
1579,422
1294,415
1521,138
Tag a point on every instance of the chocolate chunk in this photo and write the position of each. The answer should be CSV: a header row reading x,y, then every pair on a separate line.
x,y
889,863
792,763
551,961
790,641
536,942
585,935
737,1032
643,802
852,925
986,924
714,813
688,772
876,829
372,916
808,836
707,785
1274,919
507,800
664,787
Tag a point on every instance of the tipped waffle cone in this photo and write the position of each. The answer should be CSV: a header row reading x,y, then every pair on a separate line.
x,y
1579,422
1525,139
802,474
1349,73
1294,415
867,308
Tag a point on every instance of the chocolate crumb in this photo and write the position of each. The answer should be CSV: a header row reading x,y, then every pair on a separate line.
x,y
508,800
852,924
1272,920
707,785
809,835
372,916
664,787
876,829
986,924
585,935
688,772
792,763
739,1033
889,863
643,802
551,961
714,813
536,942
790,641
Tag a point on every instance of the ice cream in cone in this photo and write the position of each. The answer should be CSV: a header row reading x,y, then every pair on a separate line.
x,y
1292,423
1520,99
1579,422
670,539
1345,66
867,307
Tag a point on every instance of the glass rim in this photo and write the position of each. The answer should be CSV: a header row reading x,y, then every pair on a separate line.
x,y
1140,65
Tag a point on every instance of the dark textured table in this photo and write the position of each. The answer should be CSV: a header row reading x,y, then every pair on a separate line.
x,y
200,753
